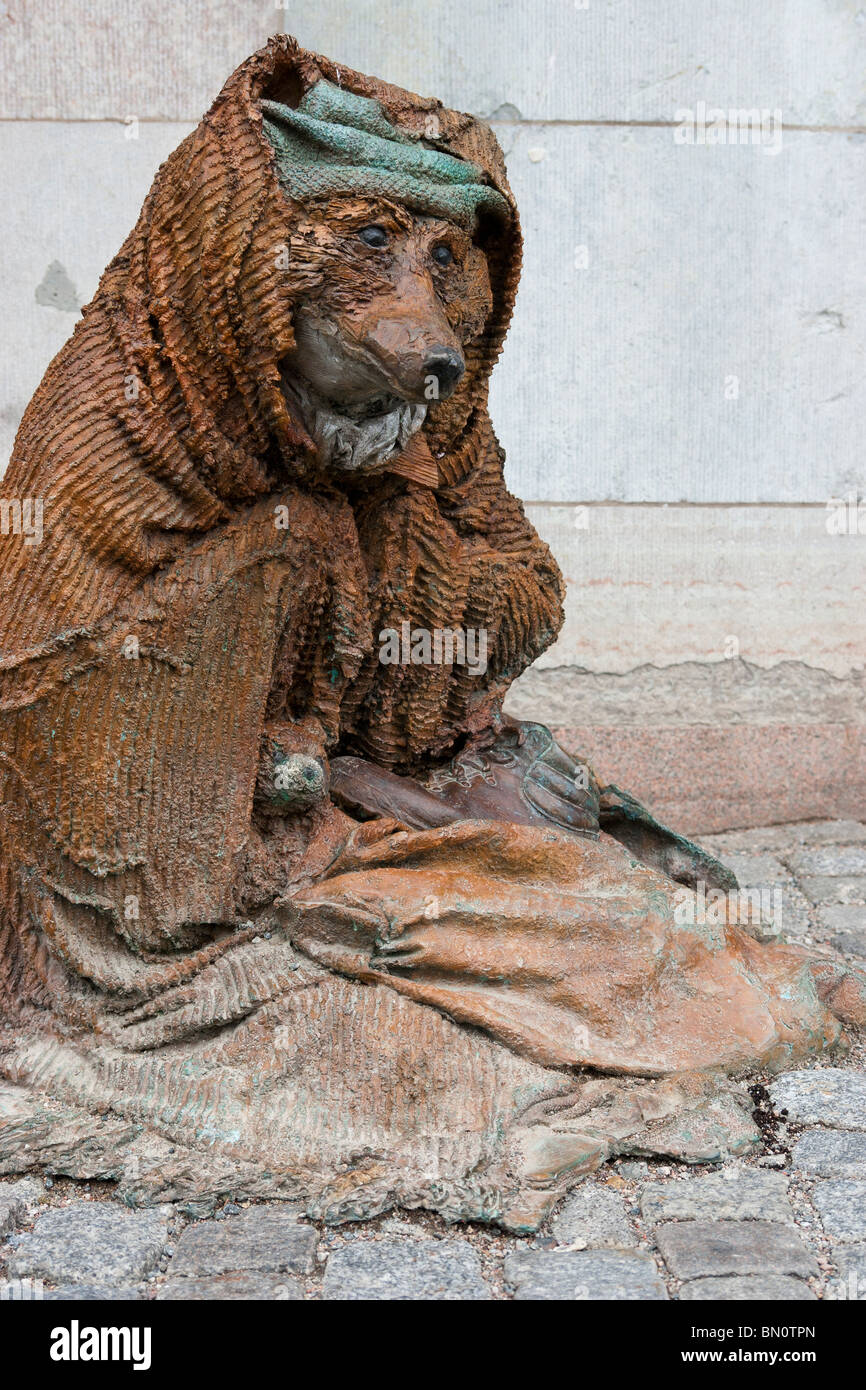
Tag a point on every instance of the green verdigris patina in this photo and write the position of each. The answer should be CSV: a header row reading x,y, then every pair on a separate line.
x,y
336,142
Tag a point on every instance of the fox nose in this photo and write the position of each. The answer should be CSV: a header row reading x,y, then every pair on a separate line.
x,y
447,366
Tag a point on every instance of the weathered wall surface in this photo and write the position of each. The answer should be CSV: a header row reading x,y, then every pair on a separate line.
x,y
683,388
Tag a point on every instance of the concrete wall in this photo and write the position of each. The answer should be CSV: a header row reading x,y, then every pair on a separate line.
x,y
683,388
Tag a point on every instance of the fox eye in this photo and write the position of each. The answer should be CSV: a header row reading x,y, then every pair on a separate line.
x,y
442,254
374,236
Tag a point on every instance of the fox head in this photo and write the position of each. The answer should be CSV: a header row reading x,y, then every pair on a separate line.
x,y
396,299
389,300
392,283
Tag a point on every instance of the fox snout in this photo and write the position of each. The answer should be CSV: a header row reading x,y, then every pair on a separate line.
x,y
397,342
416,351
407,334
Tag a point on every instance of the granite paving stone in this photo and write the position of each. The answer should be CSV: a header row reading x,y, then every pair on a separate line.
x,y
791,912
830,1153
593,1216
824,832
92,1293
732,1194
746,1288
850,943
836,862
564,1275
842,1208
631,1168
264,1239
248,1285
845,891
781,838
757,869
826,1096
16,1199
787,907
91,1243
850,1281
403,1269
695,1249
29,1189
843,918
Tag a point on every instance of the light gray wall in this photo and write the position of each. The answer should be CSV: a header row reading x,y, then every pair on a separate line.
x,y
684,385
703,263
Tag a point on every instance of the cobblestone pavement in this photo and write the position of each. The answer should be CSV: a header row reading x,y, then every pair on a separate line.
x,y
787,1223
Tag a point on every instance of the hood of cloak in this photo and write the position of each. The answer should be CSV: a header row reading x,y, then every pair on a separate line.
x,y
165,408
164,412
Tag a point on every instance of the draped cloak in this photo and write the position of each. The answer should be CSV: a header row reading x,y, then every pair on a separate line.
x,y
203,591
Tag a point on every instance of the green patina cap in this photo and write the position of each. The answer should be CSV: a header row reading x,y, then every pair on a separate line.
x,y
337,142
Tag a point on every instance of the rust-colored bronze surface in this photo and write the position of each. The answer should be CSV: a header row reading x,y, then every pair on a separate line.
x,y
194,931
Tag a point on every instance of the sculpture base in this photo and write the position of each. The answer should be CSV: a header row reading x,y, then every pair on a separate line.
x,y
350,1100
298,1064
